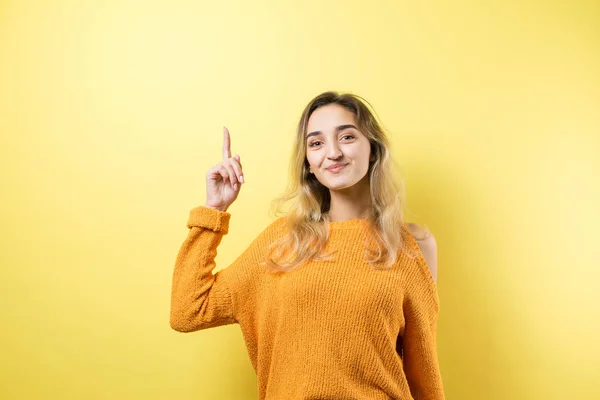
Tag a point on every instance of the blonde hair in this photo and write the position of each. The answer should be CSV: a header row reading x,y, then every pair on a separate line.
x,y
308,217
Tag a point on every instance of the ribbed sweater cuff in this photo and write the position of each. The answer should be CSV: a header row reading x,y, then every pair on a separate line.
x,y
209,218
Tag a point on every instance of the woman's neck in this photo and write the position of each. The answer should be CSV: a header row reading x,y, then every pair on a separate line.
x,y
350,203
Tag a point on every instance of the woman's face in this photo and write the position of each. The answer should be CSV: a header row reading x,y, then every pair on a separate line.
x,y
332,137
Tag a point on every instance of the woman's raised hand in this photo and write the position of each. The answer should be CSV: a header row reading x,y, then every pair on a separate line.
x,y
224,180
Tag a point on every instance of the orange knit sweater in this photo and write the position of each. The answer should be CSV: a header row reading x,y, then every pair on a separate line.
x,y
326,330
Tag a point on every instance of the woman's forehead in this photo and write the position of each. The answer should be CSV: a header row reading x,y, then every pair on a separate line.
x,y
328,117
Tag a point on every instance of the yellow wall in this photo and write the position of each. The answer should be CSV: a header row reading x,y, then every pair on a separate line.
x,y
111,114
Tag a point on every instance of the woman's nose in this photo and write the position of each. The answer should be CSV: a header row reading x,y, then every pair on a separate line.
x,y
334,151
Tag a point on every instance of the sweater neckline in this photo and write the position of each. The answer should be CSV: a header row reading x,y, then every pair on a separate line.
x,y
348,224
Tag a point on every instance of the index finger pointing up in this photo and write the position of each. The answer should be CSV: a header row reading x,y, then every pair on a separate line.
x,y
226,144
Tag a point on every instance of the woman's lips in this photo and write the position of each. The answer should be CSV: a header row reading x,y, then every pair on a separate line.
x,y
337,168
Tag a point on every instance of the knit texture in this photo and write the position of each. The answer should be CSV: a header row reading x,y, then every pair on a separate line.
x,y
335,329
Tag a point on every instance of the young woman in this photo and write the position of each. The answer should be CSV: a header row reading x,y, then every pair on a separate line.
x,y
337,298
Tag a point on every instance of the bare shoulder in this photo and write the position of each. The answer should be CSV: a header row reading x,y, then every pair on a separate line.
x,y
418,231
428,246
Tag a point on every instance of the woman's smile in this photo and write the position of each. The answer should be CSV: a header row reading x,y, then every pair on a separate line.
x,y
336,169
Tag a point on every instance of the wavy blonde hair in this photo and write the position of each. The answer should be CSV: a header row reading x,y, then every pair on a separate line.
x,y
308,217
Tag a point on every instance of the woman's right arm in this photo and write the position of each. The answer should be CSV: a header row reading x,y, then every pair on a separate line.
x,y
199,299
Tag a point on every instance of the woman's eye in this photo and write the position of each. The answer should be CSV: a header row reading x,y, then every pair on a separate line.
x,y
315,143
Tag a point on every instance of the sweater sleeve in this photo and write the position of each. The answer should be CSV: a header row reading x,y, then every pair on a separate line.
x,y
199,299
421,306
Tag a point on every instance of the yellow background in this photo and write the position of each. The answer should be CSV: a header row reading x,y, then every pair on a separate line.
x,y
111,114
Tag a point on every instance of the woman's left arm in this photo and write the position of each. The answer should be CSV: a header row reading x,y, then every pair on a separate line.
x,y
421,307
428,246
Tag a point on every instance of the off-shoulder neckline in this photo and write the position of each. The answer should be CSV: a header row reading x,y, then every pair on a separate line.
x,y
348,224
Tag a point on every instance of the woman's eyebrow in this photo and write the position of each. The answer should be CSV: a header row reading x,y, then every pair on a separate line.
x,y
337,129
